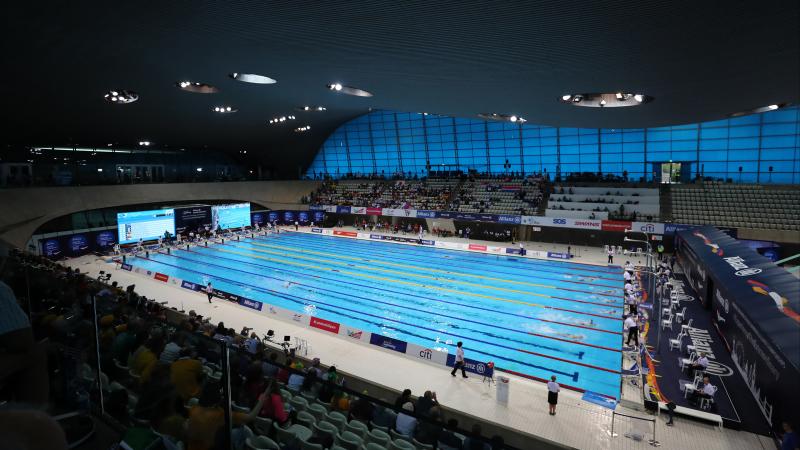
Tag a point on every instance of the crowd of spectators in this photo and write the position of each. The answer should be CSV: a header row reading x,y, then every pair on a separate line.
x,y
164,372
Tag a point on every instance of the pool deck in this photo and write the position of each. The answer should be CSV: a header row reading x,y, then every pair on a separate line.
x,y
578,424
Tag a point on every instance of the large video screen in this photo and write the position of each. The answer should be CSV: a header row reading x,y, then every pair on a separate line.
x,y
235,215
145,225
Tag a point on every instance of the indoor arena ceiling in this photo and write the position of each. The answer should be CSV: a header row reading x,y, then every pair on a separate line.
x,y
698,60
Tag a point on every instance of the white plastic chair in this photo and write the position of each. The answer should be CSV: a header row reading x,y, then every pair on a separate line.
x,y
680,315
705,403
676,343
667,323
685,327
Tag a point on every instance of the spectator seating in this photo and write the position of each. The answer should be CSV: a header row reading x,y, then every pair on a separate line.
x,y
499,196
603,202
737,205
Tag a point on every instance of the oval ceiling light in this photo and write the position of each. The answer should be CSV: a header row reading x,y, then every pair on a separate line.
x,y
121,96
251,78
225,109
613,100
761,109
348,90
307,108
302,129
197,88
513,118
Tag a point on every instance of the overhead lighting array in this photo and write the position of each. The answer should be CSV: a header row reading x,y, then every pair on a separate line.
x,y
308,108
348,90
280,119
302,129
225,109
761,109
121,96
144,143
513,118
599,100
196,87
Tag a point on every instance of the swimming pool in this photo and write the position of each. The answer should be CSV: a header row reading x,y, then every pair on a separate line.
x,y
532,317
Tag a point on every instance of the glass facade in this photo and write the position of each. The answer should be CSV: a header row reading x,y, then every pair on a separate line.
x,y
758,148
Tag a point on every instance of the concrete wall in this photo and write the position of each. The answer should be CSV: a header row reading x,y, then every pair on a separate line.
x,y
23,210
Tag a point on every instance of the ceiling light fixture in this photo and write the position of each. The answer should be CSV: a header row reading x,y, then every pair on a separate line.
x,y
281,119
195,87
761,109
302,129
144,143
121,96
308,108
612,100
349,90
225,109
513,118
251,78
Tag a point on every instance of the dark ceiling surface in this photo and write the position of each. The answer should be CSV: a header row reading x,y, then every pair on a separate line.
x,y
701,60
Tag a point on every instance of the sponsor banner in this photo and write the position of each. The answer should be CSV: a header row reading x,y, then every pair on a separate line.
x,y
316,230
388,343
496,249
472,366
330,208
648,227
450,245
376,236
354,333
316,207
428,242
189,285
358,210
285,314
513,251
558,255
252,304
424,214
161,277
426,354
585,224
481,248
322,324
288,217
127,267
487,217
374,211
397,212
509,219
615,225
302,216
319,216
535,220
272,216
345,233
342,210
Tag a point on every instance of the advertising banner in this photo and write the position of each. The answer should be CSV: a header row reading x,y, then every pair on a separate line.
x,y
616,225
257,218
558,255
322,324
316,208
189,285
648,227
330,208
127,267
516,220
51,247
388,343
161,277
481,248
345,233
535,220
319,216
273,216
428,354
395,212
302,216
354,334
471,365
585,224
374,211
316,230
78,244
288,217
252,304
192,218
105,239
342,210
358,210
424,214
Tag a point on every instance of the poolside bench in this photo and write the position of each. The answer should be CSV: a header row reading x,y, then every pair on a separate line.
x,y
695,413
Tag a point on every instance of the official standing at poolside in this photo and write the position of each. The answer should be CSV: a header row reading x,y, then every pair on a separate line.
x,y
552,394
209,291
459,360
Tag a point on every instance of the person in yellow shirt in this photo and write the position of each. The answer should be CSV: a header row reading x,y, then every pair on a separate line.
x,y
186,374
145,358
208,417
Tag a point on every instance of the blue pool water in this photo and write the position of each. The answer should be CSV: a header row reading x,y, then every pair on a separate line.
x,y
533,317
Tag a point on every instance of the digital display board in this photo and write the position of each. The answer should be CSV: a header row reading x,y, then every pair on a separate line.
x,y
191,218
145,225
230,216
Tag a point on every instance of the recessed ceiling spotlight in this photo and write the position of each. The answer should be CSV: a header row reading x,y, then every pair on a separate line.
x,y
613,100
513,118
252,78
225,109
302,129
121,96
761,109
281,119
144,143
197,88
349,90
309,108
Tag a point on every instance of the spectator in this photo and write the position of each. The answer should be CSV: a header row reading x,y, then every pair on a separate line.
x,y
426,402
172,350
383,417
145,359
404,398
789,441
362,409
272,407
270,368
428,431
208,417
448,439
406,424
254,385
475,441
186,374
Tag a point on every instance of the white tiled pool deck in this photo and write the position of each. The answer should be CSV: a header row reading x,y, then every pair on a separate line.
x,y
578,424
